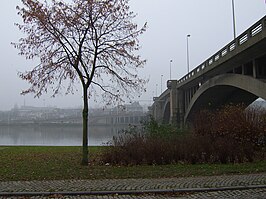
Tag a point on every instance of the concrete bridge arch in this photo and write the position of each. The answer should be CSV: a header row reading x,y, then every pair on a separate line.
x,y
234,74
224,89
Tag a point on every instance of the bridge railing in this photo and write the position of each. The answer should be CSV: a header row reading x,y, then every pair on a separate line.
x,y
253,31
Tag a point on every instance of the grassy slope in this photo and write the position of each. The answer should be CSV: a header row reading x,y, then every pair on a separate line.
x,y
56,163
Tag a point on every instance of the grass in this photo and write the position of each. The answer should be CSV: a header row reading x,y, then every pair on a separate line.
x,y
58,163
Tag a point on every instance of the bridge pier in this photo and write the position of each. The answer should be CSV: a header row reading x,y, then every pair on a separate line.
x,y
177,104
157,109
181,109
173,101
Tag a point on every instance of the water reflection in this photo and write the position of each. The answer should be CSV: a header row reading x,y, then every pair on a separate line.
x,y
53,135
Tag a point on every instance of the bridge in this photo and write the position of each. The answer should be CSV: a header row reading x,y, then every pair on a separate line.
x,y
234,74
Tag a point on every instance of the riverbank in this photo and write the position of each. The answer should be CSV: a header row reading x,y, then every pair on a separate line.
x,y
63,163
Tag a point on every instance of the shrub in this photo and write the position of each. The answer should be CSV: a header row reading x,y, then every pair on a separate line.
x,y
236,132
151,144
231,134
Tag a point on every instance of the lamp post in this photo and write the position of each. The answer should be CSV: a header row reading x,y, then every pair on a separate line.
x,y
187,54
156,90
161,83
234,19
171,69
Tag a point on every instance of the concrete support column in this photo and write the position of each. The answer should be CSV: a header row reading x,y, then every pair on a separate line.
x,y
188,98
190,95
173,102
255,68
157,110
185,99
181,108
194,90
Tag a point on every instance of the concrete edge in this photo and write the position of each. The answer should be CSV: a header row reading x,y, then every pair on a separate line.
x,y
133,192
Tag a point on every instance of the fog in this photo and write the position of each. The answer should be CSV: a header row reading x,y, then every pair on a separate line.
x,y
209,22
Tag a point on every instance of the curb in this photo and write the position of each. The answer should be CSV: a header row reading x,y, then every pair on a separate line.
x,y
133,192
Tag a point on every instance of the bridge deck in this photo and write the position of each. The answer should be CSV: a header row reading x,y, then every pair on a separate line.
x,y
250,44
234,74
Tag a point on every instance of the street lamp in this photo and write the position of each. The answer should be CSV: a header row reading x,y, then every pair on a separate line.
x,y
187,55
161,83
234,19
171,69
156,90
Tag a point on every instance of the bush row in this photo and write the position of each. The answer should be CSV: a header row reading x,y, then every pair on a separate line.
x,y
231,134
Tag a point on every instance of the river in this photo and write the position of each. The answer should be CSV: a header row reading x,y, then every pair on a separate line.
x,y
53,135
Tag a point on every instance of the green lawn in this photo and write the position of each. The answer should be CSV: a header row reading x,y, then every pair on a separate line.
x,y
57,163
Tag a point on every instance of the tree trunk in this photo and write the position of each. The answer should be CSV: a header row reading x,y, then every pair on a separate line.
x,y
85,127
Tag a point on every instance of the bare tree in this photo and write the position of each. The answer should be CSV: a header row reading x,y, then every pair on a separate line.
x,y
88,41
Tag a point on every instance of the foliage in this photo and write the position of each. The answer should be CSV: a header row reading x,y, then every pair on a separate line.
x,y
154,129
90,41
243,126
230,135
237,134
93,42
150,144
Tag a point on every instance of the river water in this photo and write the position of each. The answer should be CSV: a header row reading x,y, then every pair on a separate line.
x,y
53,135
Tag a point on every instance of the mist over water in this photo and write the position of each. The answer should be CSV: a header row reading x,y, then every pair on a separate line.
x,y
53,135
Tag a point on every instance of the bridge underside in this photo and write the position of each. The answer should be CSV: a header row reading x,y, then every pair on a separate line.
x,y
226,89
223,95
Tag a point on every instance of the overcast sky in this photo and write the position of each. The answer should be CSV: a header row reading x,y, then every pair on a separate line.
x,y
209,22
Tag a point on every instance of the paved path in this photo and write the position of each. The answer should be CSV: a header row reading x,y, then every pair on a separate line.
x,y
235,186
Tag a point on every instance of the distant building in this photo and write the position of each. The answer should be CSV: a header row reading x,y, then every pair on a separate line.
x,y
126,114
128,108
